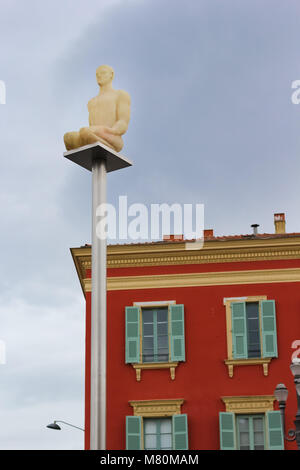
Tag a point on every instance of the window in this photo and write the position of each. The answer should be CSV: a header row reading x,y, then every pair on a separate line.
x,y
247,320
157,425
154,337
252,327
251,332
251,432
158,434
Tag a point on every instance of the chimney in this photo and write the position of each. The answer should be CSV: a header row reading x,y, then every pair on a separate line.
x,y
255,227
208,233
279,222
173,238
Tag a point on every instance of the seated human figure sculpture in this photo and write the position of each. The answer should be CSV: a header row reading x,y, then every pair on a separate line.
x,y
109,114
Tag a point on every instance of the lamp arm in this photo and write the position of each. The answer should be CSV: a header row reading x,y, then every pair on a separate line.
x,y
72,425
291,433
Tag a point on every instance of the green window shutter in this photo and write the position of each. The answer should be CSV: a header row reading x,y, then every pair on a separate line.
x,y
177,333
132,339
180,432
133,432
268,326
239,330
275,432
227,431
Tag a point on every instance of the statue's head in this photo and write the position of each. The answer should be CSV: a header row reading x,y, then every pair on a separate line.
x,y
104,74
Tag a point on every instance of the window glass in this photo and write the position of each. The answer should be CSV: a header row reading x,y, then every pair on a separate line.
x,y
258,430
162,315
148,316
250,431
157,434
148,329
155,340
253,330
244,433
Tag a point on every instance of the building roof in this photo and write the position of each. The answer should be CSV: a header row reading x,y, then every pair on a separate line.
x,y
221,238
223,250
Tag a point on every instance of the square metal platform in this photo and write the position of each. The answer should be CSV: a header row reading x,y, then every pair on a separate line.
x,y
84,157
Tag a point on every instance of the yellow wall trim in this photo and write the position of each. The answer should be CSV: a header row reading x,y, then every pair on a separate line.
x,y
264,362
155,365
156,408
214,251
199,279
249,404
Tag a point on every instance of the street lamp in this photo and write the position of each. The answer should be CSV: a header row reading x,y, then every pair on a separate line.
x,y
54,425
281,394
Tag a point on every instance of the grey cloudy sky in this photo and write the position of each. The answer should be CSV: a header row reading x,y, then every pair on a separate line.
x,y
212,122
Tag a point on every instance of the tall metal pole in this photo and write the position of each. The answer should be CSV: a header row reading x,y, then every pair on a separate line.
x,y
101,160
98,315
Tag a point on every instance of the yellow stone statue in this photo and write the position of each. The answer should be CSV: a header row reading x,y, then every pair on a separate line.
x,y
109,114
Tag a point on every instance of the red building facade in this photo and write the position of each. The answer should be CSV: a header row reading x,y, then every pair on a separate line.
x,y
198,340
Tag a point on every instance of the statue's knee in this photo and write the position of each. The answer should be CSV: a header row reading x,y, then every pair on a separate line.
x,y
68,139
84,132
72,140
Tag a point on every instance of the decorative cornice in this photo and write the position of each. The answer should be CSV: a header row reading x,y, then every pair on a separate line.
x,y
264,362
154,281
164,254
249,404
212,251
156,408
155,365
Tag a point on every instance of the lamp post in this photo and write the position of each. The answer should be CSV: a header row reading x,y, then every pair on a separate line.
x,y
281,394
55,426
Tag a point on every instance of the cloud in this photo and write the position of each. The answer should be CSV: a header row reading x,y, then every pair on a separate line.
x,y
212,121
44,369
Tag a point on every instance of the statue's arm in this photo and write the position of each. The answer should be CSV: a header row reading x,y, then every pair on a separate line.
x,y
90,118
123,114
